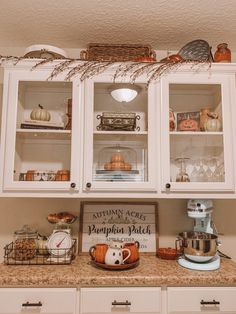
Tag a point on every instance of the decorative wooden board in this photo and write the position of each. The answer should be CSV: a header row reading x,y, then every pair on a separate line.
x,y
102,222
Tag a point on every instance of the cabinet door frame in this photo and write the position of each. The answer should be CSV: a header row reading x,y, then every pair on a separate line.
x,y
227,93
153,121
10,99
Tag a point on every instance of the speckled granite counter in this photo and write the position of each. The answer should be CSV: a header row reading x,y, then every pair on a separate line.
x,y
150,272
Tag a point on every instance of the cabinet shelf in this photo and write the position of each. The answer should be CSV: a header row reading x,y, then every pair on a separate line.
x,y
121,132
186,133
43,134
117,137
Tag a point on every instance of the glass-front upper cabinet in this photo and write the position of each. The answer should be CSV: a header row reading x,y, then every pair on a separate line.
x,y
120,121
197,153
39,152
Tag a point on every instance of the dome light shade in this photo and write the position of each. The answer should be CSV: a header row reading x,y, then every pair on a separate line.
x,y
123,92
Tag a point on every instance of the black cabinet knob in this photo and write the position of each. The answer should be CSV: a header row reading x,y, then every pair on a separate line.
x,y
72,185
88,185
168,185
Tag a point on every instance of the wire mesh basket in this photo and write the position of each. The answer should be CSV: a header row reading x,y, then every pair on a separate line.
x,y
36,256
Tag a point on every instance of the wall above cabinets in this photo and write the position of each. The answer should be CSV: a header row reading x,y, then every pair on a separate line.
x,y
82,143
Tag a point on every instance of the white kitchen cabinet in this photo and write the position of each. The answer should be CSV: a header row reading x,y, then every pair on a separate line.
x,y
119,159
193,159
38,300
34,153
130,300
183,300
150,155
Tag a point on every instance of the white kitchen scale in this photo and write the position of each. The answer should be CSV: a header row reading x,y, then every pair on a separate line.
x,y
59,245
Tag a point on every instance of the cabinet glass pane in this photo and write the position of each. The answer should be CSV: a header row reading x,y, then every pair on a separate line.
x,y
120,135
43,131
196,133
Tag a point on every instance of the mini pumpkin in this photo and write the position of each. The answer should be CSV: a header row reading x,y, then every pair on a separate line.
x,y
40,114
117,158
118,165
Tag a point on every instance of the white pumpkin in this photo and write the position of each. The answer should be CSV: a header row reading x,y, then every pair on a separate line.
x,y
40,114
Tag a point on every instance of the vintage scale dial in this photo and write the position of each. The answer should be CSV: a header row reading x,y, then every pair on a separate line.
x,y
59,243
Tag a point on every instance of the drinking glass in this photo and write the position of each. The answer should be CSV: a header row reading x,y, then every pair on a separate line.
x,y
209,172
182,175
194,173
218,174
202,177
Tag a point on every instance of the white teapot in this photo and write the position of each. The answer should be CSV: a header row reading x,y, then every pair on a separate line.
x,y
114,256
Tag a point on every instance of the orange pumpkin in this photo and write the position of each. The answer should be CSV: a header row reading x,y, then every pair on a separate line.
x,y
127,166
107,166
117,165
117,158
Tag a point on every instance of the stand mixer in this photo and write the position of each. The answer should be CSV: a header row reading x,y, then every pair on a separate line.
x,y
200,211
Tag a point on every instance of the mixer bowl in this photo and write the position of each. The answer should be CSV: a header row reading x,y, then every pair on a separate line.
x,y
198,246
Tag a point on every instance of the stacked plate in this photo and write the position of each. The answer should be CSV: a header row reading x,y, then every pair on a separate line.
x,y
44,52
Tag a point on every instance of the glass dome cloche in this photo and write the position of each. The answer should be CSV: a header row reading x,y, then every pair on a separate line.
x,y
117,159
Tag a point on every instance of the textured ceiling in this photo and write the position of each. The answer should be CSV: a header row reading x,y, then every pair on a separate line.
x,y
165,25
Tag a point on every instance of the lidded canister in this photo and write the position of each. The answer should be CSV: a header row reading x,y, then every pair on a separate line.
x,y
25,243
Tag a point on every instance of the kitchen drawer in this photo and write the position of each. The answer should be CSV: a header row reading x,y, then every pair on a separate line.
x,y
107,300
54,301
190,300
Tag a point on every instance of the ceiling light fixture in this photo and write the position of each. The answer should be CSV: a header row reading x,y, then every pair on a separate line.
x,y
124,92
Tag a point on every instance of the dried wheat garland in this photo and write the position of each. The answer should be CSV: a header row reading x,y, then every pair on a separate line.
x,y
133,70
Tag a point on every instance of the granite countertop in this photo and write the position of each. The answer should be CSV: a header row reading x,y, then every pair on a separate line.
x,y
151,271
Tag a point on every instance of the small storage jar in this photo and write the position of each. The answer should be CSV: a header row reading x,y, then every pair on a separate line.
x,y
223,53
25,243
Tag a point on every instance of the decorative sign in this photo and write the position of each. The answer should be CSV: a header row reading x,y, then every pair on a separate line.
x,y
102,222
188,121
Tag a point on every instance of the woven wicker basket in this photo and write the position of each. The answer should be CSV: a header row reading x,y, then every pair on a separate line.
x,y
125,52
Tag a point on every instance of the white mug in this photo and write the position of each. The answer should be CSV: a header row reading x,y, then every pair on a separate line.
x,y
114,256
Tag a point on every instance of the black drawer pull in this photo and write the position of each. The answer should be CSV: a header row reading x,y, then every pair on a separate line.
x,y
32,304
121,303
214,302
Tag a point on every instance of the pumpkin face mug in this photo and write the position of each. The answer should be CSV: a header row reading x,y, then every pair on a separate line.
x,y
98,252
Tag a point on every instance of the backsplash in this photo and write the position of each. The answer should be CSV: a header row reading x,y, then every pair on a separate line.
x,y
173,219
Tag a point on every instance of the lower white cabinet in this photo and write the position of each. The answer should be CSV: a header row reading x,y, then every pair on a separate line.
x,y
173,300
130,300
201,300
38,300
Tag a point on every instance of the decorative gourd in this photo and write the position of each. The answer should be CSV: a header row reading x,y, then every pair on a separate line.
x,y
40,114
213,124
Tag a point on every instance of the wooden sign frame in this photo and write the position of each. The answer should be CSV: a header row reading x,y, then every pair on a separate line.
x,y
101,222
